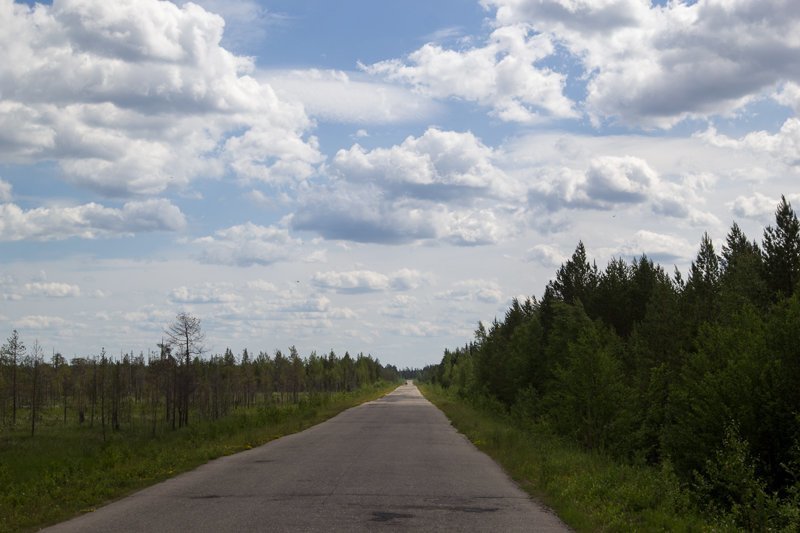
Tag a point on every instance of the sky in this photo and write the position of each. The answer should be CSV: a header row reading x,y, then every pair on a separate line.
x,y
367,176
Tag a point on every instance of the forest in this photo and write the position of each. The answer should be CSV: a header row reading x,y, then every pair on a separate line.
x,y
166,389
698,376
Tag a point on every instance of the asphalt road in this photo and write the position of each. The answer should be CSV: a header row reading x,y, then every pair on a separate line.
x,y
393,464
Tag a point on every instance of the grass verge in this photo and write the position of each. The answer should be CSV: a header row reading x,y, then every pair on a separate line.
x,y
589,491
64,471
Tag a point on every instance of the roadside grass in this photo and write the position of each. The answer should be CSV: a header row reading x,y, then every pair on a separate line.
x,y
64,471
588,491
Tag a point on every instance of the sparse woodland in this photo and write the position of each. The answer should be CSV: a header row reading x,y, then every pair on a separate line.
x,y
166,389
698,376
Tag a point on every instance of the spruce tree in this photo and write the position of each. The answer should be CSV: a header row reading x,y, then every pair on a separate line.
x,y
782,251
702,287
742,273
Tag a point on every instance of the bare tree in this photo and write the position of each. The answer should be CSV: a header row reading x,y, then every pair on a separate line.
x,y
36,356
187,337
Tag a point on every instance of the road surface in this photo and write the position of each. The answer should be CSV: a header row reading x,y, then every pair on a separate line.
x,y
394,464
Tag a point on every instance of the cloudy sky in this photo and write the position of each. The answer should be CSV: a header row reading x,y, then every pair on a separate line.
x,y
369,176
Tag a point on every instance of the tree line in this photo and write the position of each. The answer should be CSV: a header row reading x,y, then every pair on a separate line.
x,y
165,388
699,376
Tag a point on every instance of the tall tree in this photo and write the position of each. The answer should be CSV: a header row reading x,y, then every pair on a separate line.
x,y
742,273
187,336
576,279
782,251
14,350
702,287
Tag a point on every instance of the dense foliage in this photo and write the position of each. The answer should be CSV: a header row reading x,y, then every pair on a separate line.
x,y
700,376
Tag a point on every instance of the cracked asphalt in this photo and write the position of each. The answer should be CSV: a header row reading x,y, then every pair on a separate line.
x,y
392,464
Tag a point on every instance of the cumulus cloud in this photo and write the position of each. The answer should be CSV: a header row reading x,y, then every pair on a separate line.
x,y
5,191
208,293
503,75
789,95
657,246
400,306
438,165
609,181
546,255
362,281
247,245
420,329
133,97
9,288
442,185
614,182
474,290
88,221
39,322
52,289
784,145
758,206
653,65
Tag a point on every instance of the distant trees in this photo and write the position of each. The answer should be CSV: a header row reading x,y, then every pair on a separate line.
x,y
158,391
700,373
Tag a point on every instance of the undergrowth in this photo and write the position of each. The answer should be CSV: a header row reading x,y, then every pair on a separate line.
x,y
589,491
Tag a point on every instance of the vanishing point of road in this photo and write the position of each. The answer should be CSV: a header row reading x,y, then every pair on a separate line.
x,y
392,464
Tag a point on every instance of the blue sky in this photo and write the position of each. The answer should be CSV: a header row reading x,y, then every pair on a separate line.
x,y
370,176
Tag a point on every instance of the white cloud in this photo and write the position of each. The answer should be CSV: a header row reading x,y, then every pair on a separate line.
x,y
502,75
442,185
420,329
546,255
653,65
758,206
789,95
339,96
39,322
133,97
361,281
784,145
5,191
437,165
53,290
400,306
618,182
474,290
609,181
208,293
261,285
657,246
88,221
247,245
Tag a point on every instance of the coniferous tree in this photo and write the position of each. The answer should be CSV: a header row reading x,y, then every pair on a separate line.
x,y
702,286
742,273
15,351
576,280
782,251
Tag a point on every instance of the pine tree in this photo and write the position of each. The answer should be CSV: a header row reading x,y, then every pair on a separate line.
x,y
742,273
576,280
782,251
702,287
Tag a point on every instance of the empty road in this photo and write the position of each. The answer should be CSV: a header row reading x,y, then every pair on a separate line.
x,y
393,464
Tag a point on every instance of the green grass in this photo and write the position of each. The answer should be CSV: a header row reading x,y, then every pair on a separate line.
x,y
589,491
64,471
